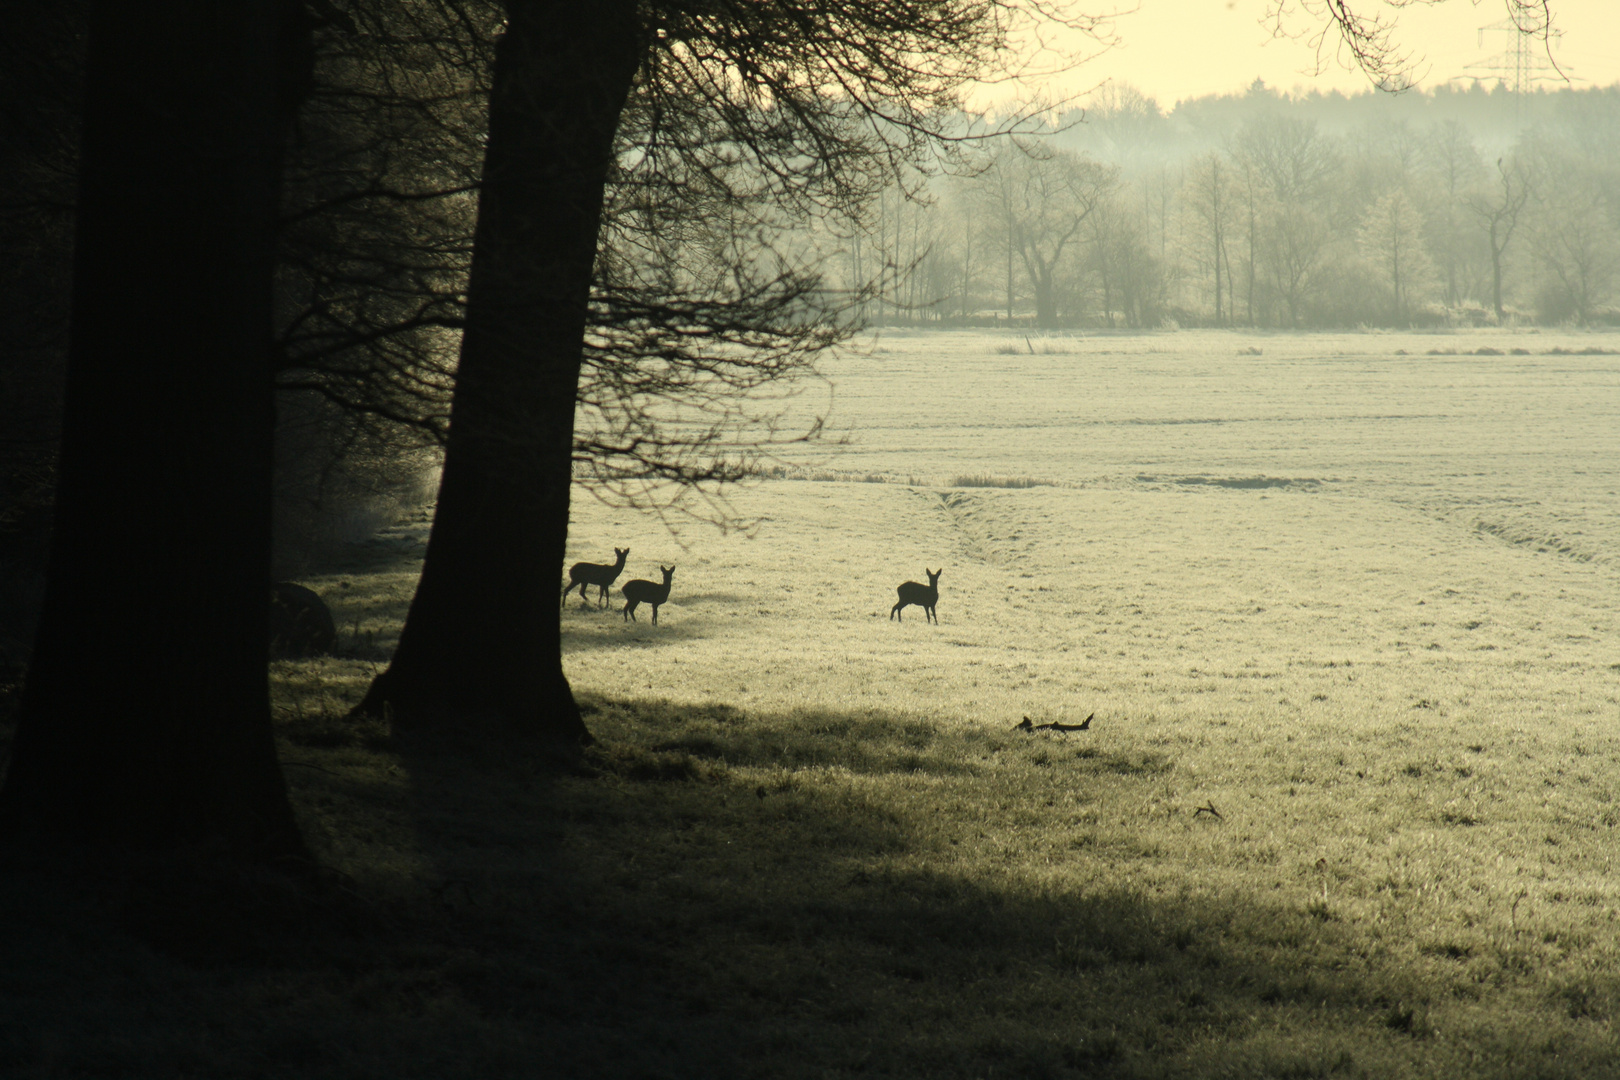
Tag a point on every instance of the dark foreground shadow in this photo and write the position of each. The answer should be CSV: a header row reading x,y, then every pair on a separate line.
x,y
725,894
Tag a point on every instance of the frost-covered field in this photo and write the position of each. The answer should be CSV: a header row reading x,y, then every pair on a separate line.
x,y
1360,601
1365,604
1342,530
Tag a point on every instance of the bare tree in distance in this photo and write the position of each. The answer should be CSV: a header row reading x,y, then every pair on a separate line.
x,y
1392,237
1210,199
1453,167
1572,238
1285,166
1131,276
1043,195
1289,155
1497,209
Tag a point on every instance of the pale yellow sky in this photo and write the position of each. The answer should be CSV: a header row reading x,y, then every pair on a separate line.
x,y
1174,49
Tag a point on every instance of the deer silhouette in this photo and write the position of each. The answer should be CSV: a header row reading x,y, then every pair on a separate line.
x,y
586,574
924,596
639,592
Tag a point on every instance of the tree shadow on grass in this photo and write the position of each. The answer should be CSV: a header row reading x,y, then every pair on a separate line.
x,y
845,891
689,617
731,894
586,631
829,893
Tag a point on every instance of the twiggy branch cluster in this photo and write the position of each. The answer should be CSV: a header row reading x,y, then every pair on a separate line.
x,y
755,128
1364,33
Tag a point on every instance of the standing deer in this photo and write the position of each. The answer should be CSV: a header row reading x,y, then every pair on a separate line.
x,y
646,592
586,574
924,596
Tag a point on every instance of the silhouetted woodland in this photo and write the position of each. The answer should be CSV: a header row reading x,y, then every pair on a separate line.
x,y
1452,206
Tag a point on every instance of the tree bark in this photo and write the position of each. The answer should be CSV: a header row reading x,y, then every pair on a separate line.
x,y
145,720
1045,299
482,641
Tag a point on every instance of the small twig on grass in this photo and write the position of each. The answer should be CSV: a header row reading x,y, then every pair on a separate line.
x,y
1513,912
1208,808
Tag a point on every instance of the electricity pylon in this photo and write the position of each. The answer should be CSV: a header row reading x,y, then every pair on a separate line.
x,y
1526,60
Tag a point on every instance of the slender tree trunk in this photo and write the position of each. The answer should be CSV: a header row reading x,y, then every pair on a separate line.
x,y
1009,267
1105,270
1452,299
911,292
145,719
1501,222
1496,274
1231,288
482,640
1249,297
882,246
1215,221
1395,274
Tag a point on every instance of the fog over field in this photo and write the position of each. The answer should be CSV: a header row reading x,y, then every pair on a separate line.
x,y
1351,529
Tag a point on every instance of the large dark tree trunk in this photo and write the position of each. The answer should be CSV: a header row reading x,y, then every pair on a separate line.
x,y
145,717
1045,299
483,638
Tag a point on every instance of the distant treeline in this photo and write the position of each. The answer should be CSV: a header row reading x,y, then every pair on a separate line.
x,y
1454,206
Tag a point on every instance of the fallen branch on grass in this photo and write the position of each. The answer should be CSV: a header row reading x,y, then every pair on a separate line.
x,y
1030,725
